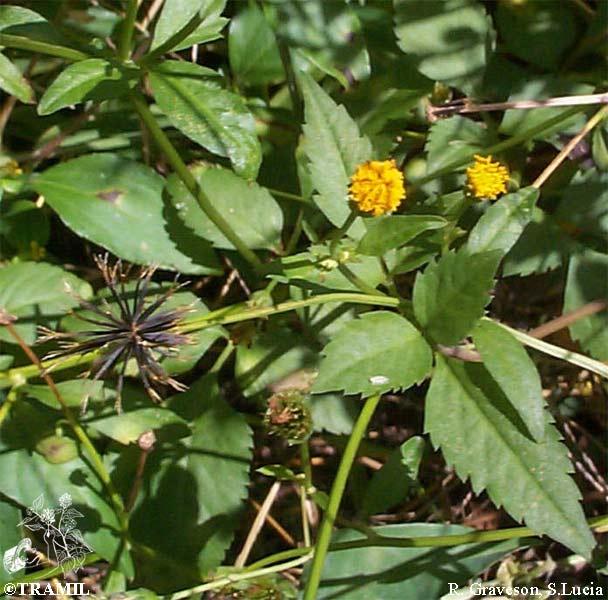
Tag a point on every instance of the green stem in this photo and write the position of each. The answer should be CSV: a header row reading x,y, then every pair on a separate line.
x,y
126,33
222,358
222,316
242,576
335,496
23,43
11,398
180,168
242,312
288,196
478,537
50,572
339,233
358,282
306,467
501,146
580,360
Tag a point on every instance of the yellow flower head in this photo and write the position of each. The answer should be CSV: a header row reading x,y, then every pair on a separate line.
x,y
377,187
487,179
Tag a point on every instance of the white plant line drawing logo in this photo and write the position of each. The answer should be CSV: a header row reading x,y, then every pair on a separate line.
x,y
63,541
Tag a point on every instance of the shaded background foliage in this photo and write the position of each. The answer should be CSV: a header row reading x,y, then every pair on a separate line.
x,y
216,140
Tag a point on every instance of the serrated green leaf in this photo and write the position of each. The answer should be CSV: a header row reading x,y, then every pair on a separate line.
x,y
334,148
118,204
479,433
379,352
449,39
78,81
74,392
13,82
450,295
177,14
586,282
252,48
211,116
394,573
208,31
36,294
252,212
453,139
391,231
540,248
391,484
500,226
509,364
126,427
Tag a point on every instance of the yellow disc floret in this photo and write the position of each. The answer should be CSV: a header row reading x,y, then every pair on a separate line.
x,y
486,179
377,187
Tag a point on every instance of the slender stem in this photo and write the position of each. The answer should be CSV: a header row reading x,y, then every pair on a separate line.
x,y
288,196
305,489
175,160
358,282
242,312
222,316
295,234
567,319
228,579
296,101
223,357
95,458
305,520
306,466
335,496
48,573
565,151
463,107
579,360
23,43
339,233
19,375
126,33
11,398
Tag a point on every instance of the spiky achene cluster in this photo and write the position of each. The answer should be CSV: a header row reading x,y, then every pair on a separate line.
x,y
127,329
288,416
377,187
487,179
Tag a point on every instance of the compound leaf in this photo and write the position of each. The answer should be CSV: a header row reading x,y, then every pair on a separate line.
x,y
378,352
480,434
